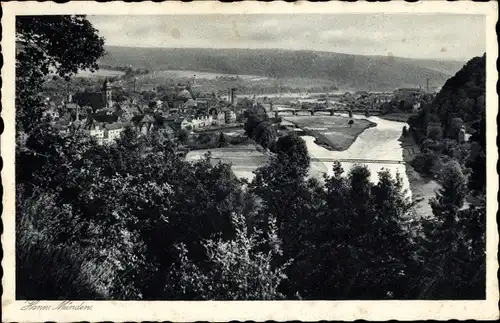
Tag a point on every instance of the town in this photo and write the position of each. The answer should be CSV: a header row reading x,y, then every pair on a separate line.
x,y
101,116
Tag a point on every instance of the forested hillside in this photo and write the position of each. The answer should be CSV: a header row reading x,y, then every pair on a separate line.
x,y
353,71
459,165
463,95
458,107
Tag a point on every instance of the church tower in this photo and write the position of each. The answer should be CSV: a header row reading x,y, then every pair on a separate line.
x,y
106,90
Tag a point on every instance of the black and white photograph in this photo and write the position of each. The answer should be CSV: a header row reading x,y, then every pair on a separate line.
x,y
250,157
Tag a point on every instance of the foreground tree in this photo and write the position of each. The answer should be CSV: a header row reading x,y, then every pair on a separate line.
x,y
50,44
281,187
353,244
243,268
453,254
127,204
280,182
450,198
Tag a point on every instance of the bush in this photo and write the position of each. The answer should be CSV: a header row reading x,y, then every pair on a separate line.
x,y
204,138
51,273
429,144
183,135
425,162
46,269
243,268
435,132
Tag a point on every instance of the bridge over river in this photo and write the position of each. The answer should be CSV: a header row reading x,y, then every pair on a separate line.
x,y
358,161
322,159
329,111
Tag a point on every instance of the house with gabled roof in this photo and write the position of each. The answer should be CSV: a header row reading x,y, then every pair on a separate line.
x,y
143,123
163,129
182,123
170,120
113,131
95,129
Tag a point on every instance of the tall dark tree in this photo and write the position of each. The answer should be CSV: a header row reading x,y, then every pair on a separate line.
x,y
264,134
450,198
353,244
255,115
454,244
50,44
284,192
291,150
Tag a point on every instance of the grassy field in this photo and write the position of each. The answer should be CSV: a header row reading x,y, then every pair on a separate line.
x,y
244,159
333,132
102,72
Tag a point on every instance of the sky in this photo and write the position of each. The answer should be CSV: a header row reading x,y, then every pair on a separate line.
x,y
427,36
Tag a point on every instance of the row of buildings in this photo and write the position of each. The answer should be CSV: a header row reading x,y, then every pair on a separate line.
x,y
97,115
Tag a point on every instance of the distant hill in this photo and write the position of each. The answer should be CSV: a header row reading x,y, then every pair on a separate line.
x,y
463,95
348,71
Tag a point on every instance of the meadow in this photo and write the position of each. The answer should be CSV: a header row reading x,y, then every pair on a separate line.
x,y
102,72
333,132
244,159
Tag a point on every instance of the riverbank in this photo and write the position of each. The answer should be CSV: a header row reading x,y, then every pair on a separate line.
x,y
422,188
331,132
396,116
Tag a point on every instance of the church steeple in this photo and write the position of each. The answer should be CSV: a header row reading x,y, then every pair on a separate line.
x,y
106,89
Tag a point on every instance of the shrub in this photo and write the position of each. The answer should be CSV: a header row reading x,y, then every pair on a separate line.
x,y
435,132
243,268
204,138
183,135
47,272
425,162
46,269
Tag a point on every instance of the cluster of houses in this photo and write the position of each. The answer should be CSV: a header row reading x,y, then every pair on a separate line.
x,y
97,115
408,98
365,100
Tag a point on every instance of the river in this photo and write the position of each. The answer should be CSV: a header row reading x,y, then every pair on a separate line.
x,y
377,143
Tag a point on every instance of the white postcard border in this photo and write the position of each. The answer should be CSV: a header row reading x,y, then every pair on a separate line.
x,y
185,311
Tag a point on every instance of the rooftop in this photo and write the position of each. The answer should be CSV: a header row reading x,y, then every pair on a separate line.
x,y
116,125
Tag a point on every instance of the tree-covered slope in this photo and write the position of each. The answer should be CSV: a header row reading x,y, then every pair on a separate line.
x,y
461,102
353,71
463,95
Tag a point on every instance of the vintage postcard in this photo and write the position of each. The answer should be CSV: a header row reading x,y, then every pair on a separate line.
x,y
249,161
